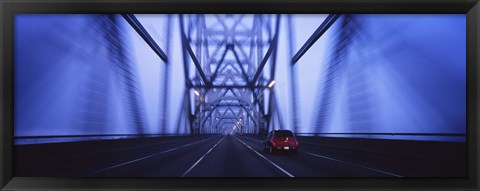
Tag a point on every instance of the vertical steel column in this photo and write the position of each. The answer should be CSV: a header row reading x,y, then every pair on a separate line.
x,y
166,77
188,82
293,77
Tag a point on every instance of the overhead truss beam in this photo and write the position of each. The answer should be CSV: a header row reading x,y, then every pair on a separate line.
x,y
188,47
270,50
133,21
326,24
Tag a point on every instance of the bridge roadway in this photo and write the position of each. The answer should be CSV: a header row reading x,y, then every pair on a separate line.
x,y
220,156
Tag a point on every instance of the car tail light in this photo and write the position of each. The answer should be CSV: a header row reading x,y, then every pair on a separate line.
x,y
296,143
274,144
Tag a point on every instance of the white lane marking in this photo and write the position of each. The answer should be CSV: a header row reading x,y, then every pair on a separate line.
x,y
341,161
198,161
271,162
337,160
145,157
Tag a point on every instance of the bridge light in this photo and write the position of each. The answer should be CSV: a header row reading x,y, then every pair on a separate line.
x,y
270,85
196,93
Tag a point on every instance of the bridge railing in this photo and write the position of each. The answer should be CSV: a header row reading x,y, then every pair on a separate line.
x,y
391,134
24,140
453,137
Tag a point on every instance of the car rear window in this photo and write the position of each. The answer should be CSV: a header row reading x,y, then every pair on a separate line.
x,y
283,133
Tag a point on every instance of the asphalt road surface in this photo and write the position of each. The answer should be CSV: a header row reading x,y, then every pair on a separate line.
x,y
210,156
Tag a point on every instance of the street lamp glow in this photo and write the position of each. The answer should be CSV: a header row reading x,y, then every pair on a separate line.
x,y
196,93
270,85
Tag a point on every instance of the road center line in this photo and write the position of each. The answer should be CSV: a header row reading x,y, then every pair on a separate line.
x,y
345,162
145,157
198,161
271,162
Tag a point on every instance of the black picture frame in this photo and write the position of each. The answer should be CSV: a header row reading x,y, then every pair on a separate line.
x,y
10,7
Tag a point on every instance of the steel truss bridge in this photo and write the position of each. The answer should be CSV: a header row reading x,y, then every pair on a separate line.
x,y
229,65
234,61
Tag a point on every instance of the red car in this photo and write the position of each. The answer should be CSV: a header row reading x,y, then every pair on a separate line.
x,y
281,140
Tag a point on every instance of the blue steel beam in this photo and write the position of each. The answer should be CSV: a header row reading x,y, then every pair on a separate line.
x,y
315,36
230,105
163,100
133,21
293,77
219,65
273,46
229,86
187,46
245,76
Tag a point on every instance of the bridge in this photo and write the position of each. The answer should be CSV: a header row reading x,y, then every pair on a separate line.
x,y
194,95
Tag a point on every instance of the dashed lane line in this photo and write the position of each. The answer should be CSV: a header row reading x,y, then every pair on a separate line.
x,y
201,158
145,157
271,162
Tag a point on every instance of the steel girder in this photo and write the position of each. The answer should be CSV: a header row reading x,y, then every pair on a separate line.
x,y
228,74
